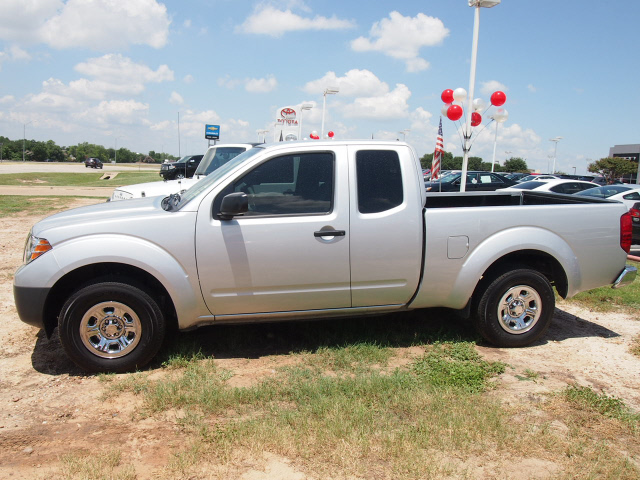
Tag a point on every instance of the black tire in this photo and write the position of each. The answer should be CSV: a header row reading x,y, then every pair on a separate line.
x,y
179,176
111,327
515,308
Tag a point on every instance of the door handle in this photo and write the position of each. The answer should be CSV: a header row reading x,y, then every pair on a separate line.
x,y
330,233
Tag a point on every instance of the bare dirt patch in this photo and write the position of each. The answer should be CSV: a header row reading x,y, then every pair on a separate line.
x,y
49,408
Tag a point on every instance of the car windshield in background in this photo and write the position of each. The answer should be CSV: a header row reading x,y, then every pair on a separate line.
x,y
604,192
203,184
216,157
184,159
449,177
530,185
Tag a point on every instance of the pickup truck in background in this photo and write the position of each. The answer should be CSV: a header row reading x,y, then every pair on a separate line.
x,y
214,157
300,230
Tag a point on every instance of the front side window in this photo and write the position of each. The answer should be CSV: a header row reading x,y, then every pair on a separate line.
x,y
379,180
298,184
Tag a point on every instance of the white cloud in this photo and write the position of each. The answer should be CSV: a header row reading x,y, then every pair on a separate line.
x,y
186,23
122,112
188,79
354,83
532,88
176,99
269,20
402,38
487,88
95,24
390,105
261,85
7,99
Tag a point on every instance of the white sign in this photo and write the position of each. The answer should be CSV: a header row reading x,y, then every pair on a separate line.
x,y
287,126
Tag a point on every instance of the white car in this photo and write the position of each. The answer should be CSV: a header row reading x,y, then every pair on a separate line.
x,y
538,177
625,193
214,158
561,185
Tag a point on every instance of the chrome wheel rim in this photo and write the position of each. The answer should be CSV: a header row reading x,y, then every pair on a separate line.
x,y
519,309
110,330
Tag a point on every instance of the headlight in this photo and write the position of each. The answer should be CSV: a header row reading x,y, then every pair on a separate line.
x,y
171,167
34,247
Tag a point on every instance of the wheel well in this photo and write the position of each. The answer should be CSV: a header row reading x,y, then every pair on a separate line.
x,y
535,260
101,272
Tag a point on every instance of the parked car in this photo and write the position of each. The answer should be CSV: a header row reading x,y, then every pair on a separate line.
x,y
477,181
93,163
302,230
625,193
183,168
538,176
561,185
515,176
635,221
215,157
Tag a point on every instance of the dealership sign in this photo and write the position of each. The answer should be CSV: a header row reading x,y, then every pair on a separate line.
x,y
212,132
287,126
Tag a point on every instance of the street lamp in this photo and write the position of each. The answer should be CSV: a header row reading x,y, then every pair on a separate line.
x,y
472,81
327,91
264,135
303,107
24,136
555,150
115,150
404,134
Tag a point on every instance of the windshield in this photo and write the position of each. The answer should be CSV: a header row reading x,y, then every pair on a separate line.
x,y
216,157
604,192
203,184
530,185
449,177
184,159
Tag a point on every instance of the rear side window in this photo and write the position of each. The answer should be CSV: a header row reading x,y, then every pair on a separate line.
x,y
379,180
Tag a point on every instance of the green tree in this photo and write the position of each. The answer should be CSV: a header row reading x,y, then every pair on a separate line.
x,y
613,168
427,159
516,164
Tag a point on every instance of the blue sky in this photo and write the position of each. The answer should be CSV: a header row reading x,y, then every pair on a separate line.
x,y
119,73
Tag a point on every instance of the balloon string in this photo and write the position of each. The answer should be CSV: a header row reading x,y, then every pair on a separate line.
x,y
478,133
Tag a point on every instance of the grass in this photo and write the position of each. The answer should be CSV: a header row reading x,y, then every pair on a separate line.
x,y
601,403
20,204
89,179
105,464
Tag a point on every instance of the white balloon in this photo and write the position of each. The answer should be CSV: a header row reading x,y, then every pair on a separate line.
x,y
478,104
501,115
444,109
459,94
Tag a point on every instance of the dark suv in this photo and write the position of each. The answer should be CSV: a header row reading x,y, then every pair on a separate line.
x,y
183,168
93,163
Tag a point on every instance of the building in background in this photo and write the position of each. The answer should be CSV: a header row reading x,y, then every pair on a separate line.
x,y
630,152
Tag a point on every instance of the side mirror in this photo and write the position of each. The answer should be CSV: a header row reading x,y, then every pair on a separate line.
x,y
232,205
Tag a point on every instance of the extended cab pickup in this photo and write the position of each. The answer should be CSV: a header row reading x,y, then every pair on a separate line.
x,y
311,230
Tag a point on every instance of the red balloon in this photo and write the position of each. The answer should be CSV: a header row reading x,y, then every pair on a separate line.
x,y
314,136
447,96
476,119
498,98
330,134
454,112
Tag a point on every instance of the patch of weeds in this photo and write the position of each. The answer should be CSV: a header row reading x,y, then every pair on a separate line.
x,y
529,375
609,406
635,346
457,365
349,358
103,465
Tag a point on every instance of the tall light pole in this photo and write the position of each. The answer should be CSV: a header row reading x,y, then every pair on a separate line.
x,y
327,91
179,156
472,83
303,107
24,136
555,151
264,135
404,134
115,151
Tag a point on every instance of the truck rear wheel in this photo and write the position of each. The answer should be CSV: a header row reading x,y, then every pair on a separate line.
x,y
515,309
111,327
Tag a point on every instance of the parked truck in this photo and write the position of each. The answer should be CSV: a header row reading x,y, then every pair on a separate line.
x,y
312,230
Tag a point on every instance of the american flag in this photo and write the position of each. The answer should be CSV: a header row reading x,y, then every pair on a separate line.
x,y
437,155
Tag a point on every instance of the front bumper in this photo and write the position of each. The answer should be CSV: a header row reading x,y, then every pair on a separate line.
x,y
30,304
626,277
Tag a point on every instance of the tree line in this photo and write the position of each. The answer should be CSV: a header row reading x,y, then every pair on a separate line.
x,y
49,151
449,162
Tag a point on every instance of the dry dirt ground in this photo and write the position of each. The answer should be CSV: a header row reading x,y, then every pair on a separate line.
x,y
49,408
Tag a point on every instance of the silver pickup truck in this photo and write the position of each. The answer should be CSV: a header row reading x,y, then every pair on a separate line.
x,y
308,230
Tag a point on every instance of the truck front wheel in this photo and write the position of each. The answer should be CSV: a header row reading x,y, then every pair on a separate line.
x,y
515,309
111,327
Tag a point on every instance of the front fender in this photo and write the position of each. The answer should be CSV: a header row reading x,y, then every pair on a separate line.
x,y
176,273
